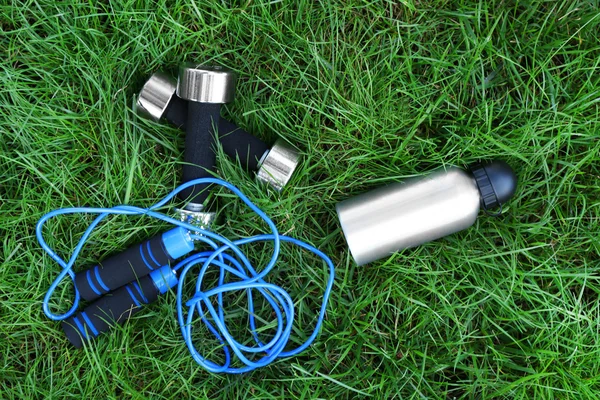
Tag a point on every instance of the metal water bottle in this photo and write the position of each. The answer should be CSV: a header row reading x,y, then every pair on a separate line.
x,y
407,214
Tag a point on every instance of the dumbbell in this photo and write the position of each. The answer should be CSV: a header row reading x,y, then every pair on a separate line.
x,y
205,89
158,101
118,306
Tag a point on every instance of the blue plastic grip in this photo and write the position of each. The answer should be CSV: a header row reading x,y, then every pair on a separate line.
x,y
164,279
177,242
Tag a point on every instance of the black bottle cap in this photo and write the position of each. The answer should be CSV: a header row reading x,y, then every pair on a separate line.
x,y
496,182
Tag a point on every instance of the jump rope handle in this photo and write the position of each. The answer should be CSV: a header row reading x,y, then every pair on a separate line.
x,y
134,263
118,306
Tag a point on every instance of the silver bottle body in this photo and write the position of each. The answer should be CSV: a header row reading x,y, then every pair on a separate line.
x,y
407,214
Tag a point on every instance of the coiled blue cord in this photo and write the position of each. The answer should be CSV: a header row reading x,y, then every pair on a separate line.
x,y
229,258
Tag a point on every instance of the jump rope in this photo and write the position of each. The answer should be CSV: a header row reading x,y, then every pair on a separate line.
x,y
224,255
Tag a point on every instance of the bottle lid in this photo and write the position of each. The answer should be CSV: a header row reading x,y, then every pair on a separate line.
x,y
496,182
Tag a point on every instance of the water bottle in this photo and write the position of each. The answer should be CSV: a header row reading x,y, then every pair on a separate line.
x,y
407,214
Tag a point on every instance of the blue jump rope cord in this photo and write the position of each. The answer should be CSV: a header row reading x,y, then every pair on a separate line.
x,y
236,264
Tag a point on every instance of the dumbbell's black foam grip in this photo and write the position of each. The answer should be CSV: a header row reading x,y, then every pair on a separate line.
x,y
176,112
120,269
239,144
113,308
236,142
199,155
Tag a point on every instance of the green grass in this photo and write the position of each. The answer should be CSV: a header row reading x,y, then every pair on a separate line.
x,y
371,92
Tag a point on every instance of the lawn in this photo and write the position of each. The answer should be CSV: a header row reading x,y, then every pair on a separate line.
x,y
371,93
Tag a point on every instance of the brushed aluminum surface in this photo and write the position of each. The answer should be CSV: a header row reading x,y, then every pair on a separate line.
x,y
206,84
155,96
278,166
407,214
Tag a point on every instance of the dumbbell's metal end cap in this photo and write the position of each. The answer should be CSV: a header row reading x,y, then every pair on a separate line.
x,y
279,165
194,214
155,96
206,84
